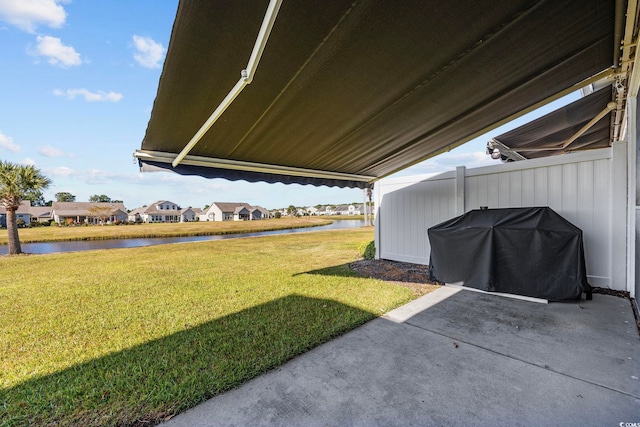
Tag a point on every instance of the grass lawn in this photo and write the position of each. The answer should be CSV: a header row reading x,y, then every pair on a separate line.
x,y
131,336
197,228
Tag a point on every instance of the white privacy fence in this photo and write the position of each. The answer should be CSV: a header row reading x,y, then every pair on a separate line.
x,y
587,188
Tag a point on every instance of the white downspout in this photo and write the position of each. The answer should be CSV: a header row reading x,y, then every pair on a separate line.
x,y
633,211
631,114
245,79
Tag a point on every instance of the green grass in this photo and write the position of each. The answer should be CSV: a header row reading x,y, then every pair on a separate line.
x,y
130,336
197,228
341,217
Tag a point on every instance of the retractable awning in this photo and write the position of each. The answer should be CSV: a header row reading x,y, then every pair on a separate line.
x,y
581,125
350,91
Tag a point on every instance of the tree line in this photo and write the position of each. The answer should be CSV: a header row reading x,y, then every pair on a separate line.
x,y
64,196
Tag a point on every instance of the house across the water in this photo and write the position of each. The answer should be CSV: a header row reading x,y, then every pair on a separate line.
x,y
219,211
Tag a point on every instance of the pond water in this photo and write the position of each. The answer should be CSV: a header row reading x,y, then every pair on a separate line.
x,y
54,247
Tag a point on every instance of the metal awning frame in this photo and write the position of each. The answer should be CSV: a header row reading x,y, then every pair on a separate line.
x,y
499,150
246,77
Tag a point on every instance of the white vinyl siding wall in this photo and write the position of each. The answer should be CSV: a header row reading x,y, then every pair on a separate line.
x,y
579,186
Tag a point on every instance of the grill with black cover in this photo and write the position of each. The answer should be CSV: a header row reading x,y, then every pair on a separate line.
x,y
533,252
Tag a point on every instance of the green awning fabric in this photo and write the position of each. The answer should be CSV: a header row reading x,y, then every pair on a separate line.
x,y
552,130
363,87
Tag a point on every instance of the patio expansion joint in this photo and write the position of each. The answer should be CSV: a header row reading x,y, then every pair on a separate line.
x,y
457,340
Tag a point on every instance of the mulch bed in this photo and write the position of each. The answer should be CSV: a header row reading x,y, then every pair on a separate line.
x,y
412,276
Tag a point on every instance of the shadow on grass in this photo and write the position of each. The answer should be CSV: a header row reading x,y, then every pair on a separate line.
x,y
394,271
342,270
147,383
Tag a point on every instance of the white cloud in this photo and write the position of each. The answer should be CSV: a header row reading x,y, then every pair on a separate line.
x,y
29,14
57,53
6,143
149,53
471,160
89,96
28,161
49,151
60,171
148,182
449,161
93,176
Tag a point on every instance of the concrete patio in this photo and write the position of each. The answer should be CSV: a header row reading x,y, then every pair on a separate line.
x,y
454,357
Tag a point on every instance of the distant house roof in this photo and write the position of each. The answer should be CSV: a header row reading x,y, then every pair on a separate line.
x,y
240,209
25,207
153,208
81,208
263,210
228,207
138,211
236,208
345,208
41,212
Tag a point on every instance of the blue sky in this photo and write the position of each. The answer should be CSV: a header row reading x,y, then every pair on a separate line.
x,y
77,84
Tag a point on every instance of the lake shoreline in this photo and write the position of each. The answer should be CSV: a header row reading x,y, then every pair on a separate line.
x,y
85,244
160,230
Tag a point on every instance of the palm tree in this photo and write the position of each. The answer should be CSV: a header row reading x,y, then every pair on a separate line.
x,y
18,183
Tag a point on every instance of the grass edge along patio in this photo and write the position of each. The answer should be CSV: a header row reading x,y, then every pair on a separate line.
x,y
128,336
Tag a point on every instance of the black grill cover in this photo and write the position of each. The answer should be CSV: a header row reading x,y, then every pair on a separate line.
x,y
526,251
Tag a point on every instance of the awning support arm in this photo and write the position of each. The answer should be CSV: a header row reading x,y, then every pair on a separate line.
x,y
245,79
610,107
